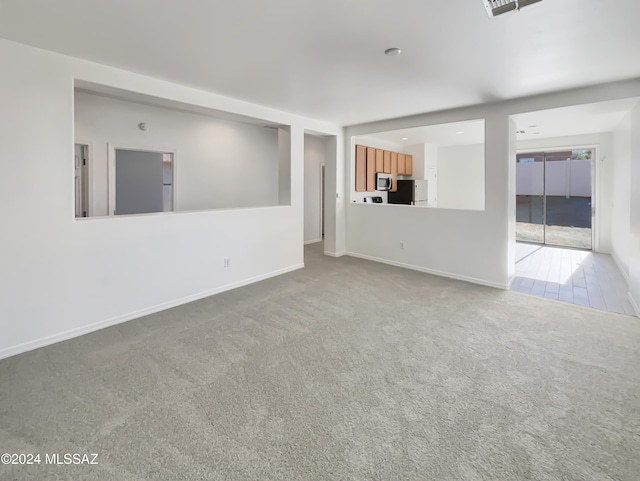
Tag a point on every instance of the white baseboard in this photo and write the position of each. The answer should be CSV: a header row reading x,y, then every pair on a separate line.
x,y
617,262
632,301
431,271
312,241
335,254
79,331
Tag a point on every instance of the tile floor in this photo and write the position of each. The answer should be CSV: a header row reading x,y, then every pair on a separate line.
x,y
579,277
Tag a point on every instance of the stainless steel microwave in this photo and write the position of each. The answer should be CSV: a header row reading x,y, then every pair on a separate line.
x,y
384,181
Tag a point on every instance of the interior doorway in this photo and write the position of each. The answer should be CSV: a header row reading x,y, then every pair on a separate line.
x,y
315,160
554,197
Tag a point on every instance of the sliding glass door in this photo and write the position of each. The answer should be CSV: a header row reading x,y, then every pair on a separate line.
x,y
553,198
530,197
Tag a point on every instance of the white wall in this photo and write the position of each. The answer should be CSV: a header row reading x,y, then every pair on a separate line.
x,y
336,199
603,164
464,244
625,219
61,277
219,163
511,196
634,210
431,173
621,195
461,177
314,156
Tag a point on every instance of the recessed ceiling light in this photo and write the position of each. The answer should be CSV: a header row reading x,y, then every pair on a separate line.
x,y
392,52
405,138
532,126
459,132
536,133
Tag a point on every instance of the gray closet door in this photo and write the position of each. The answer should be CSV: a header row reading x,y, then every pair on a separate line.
x,y
139,182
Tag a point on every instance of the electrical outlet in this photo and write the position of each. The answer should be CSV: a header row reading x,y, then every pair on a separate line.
x,y
402,245
227,262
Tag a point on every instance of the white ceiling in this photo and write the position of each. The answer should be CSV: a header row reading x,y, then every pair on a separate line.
x,y
324,58
591,118
471,132
579,119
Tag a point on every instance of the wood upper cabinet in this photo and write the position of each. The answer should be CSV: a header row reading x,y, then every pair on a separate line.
x,y
379,161
386,162
394,171
402,164
371,169
361,168
370,161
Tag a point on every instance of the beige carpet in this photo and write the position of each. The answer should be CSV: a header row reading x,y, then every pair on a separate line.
x,y
345,370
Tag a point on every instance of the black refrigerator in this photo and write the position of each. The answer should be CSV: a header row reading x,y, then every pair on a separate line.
x,y
410,192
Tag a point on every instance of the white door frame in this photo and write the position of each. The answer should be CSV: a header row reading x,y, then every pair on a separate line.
x,y
111,176
595,196
322,185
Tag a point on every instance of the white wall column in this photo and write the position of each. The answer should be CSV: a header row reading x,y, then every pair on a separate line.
x,y
634,224
335,195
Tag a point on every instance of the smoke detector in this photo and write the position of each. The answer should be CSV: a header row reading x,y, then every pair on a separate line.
x,y
498,7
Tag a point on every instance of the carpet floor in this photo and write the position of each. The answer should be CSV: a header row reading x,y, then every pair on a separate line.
x,y
344,370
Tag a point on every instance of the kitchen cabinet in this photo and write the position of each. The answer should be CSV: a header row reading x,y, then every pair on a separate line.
x,y
402,164
379,160
371,169
361,168
394,171
408,165
386,162
370,161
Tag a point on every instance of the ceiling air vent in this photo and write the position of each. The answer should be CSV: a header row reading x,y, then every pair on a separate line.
x,y
498,7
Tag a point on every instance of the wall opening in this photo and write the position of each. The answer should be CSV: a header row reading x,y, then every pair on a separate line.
x,y
436,166
212,159
316,147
